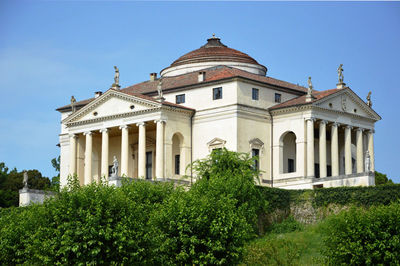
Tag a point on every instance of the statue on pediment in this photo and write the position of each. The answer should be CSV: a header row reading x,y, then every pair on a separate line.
x,y
159,90
340,73
310,87
116,76
73,101
369,102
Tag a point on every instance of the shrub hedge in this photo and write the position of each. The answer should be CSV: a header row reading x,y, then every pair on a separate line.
x,y
359,196
364,236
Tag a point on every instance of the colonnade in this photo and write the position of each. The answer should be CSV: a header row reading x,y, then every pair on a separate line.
x,y
124,151
335,148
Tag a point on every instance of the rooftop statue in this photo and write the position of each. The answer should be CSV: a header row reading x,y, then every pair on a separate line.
x,y
116,76
159,89
310,87
73,101
340,73
369,102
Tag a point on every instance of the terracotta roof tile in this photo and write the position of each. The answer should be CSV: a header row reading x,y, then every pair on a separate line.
x,y
212,74
301,100
188,79
80,104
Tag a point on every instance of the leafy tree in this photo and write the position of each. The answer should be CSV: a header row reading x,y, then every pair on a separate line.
x,y
11,183
382,179
55,181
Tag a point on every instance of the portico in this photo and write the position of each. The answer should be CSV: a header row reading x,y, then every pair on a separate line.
x,y
138,142
330,146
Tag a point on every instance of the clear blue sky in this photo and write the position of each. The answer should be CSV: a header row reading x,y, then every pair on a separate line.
x,y
51,50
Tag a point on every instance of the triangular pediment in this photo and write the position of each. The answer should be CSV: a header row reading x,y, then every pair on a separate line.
x,y
111,104
348,102
216,143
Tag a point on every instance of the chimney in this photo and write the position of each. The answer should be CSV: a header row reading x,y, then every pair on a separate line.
x,y
97,94
202,76
153,76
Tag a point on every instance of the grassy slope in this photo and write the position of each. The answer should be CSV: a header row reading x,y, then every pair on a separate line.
x,y
292,248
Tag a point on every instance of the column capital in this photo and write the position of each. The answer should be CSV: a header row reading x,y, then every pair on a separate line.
x,y
348,127
73,136
104,130
141,124
160,121
312,119
336,124
372,131
123,126
360,129
323,122
87,133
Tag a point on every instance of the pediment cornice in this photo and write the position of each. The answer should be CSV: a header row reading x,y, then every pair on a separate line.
x,y
347,92
111,93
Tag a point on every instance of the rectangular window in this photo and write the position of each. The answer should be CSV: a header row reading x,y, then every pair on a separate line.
x,y
177,164
329,170
256,153
290,166
254,94
278,97
316,170
180,98
217,93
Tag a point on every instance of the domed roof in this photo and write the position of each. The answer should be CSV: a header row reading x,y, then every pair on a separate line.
x,y
213,53
214,50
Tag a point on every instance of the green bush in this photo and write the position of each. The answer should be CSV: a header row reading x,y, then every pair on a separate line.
x,y
361,196
364,237
141,222
195,229
96,224
230,174
210,223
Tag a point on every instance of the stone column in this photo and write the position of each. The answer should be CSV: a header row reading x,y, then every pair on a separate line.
x,y
142,150
160,149
360,152
104,152
72,154
88,158
310,147
371,148
322,148
347,151
124,149
335,149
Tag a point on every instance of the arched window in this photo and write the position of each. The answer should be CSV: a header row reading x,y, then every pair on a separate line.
x,y
288,142
177,141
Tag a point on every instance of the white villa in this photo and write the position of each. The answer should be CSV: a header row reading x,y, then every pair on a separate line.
x,y
216,97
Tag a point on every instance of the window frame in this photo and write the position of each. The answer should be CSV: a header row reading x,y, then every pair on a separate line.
x,y
180,96
177,164
256,153
215,94
255,92
278,97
